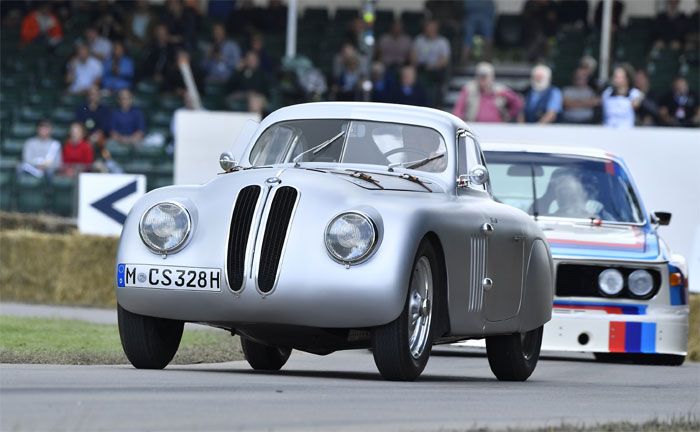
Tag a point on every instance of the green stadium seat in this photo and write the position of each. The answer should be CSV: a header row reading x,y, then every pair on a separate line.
x,y
345,15
169,102
30,114
62,115
149,154
70,100
60,131
120,152
51,83
6,189
31,194
159,182
43,98
12,147
147,87
22,130
316,14
160,118
412,22
63,195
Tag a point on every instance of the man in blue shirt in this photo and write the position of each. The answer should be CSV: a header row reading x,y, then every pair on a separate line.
x,y
94,116
128,125
543,101
408,91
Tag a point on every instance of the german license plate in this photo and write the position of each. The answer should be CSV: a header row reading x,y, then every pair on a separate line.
x,y
168,277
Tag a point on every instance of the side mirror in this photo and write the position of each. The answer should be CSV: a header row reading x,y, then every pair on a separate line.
x,y
661,218
477,176
227,162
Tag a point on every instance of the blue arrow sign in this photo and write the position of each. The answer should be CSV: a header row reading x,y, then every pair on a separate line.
x,y
106,204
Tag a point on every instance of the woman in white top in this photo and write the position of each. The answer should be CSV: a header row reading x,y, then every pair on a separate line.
x,y
620,100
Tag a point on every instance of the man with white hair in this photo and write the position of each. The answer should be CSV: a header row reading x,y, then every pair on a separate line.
x,y
543,101
484,100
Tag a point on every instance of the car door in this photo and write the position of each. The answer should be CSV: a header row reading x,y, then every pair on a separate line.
x,y
502,244
504,263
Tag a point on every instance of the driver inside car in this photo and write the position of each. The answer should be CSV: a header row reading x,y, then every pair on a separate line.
x,y
571,198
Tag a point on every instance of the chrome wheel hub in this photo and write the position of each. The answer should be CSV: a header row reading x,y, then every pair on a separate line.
x,y
420,306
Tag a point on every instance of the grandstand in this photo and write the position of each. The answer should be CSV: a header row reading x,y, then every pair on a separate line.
x,y
33,85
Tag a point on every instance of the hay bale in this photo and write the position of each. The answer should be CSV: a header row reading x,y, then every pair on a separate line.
x,y
37,222
57,268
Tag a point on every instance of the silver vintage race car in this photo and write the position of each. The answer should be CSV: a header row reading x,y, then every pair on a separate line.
x,y
345,225
620,292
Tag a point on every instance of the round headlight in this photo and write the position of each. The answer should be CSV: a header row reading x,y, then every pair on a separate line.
x,y
610,282
350,237
165,227
640,283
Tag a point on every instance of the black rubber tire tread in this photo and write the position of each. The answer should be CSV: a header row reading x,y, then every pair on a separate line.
x,y
390,349
641,359
507,359
264,357
148,342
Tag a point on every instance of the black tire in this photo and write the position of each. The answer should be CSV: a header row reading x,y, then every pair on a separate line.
x,y
514,357
390,346
641,359
148,342
264,357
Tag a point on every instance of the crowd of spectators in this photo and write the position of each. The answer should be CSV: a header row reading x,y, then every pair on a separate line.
x,y
399,68
624,102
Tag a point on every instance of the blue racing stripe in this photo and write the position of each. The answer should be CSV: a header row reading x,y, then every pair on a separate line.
x,y
633,337
676,292
648,337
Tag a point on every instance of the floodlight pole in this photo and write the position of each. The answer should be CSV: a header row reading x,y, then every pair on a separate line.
x,y
291,50
605,33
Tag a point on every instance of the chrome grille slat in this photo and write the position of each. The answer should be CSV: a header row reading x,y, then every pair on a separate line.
x,y
276,227
241,221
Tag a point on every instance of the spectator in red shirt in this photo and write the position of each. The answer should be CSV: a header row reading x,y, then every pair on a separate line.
x,y
484,100
77,152
41,23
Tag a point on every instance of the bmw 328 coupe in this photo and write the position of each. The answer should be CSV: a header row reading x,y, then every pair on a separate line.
x,y
345,225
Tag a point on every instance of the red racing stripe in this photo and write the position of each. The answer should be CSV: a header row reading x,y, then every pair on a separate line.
x,y
616,342
607,309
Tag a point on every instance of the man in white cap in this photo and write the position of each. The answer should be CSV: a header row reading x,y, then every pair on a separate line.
x,y
484,100
543,101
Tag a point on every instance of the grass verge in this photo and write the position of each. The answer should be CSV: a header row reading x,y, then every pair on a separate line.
x,y
58,341
677,424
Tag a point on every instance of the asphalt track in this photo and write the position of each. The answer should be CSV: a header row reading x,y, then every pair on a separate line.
x,y
341,391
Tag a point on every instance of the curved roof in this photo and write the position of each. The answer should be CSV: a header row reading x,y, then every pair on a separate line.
x,y
561,150
442,121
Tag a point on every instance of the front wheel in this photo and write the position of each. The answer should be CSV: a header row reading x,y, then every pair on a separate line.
x,y
148,342
264,357
641,359
514,357
401,348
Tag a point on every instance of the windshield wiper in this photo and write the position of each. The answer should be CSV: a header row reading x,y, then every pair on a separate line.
x,y
415,180
366,177
416,164
315,150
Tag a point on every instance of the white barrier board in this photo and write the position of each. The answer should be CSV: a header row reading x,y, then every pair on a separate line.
x,y
200,138
664,162
105,201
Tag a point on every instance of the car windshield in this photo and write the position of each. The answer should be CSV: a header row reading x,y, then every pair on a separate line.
x,y
351,142
561,186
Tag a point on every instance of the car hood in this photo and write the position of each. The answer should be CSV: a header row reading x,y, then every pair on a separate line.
x,y
635,243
